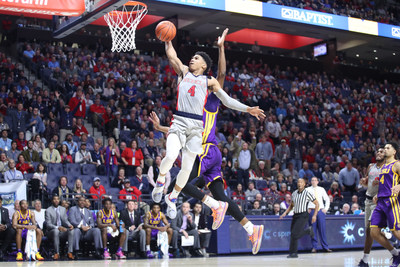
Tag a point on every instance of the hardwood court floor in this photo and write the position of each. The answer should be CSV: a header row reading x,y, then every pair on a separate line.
x,y
346,259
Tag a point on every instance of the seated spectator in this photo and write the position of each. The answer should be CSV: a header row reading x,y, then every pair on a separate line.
x,y
150,152
72,146
132,157
355,209
5,142
12,175
238,193
283,192
13,152
291,185
263,204
40,175
261,171
97,190
38,144
115,125
78,189
97,157
140,181
24,167
39,213
155,223
3,125
118,181
327,175
78,102
276,210
255,208
30,154
89,142
129,192
79,128
184,226
22,143
226,170
272,194
334,191
97,110
62,190
349,178
3,163
251,192
354,200
153,173
51,155
286,203
83,156
64,154
133,226
345,210
200,220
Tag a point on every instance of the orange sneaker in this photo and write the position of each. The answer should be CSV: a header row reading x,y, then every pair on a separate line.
x,y
19,256
39,257
219,214
256,237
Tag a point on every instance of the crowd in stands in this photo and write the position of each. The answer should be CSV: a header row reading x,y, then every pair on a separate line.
x,y
380,11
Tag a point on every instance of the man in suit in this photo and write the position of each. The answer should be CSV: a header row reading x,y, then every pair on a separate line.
x,y
82,220
183,225
133,225
58,227
6,230
200,219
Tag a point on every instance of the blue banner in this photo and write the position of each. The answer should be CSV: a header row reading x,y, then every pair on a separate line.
x,y
390,31
211,4
305,16
341,231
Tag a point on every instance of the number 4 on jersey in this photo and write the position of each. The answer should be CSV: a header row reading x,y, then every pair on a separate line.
x,y
192,90
382,179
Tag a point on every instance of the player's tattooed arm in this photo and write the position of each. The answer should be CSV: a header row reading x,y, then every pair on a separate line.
x,y
156,123
175,62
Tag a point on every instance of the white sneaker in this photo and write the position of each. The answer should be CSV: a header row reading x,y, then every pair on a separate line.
x,y
171,209
157,192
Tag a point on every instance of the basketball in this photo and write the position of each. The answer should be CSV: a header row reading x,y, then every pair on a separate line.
x,y
165,31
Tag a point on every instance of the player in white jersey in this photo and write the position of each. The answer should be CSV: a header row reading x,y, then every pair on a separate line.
x,y
187,125
372,184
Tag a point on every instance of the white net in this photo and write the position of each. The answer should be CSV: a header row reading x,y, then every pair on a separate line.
x,y
123,25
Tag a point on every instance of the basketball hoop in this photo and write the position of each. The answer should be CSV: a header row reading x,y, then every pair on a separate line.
x,y
123,23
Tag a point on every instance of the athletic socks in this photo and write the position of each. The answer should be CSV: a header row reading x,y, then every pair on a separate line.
x,y
160,180
211,203
174,194
105,249
249,227
365,258
394,252
147,247
119,249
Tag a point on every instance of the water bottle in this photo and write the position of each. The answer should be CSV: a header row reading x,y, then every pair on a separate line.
x,y
121,229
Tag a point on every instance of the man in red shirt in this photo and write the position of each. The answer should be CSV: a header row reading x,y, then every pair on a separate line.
x,y
78,100
129,192
97,110
97,189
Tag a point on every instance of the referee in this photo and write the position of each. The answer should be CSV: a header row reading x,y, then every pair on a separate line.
x,y
300,200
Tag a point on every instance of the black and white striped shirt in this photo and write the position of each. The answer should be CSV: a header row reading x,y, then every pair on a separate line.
x,y
300,200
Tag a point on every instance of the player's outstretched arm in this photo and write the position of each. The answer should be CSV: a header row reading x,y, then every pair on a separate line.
x,y
221,59
176,63
156,123
233,103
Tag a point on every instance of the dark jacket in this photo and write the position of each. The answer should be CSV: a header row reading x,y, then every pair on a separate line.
x,y
27,156
202,221
124,216
5,219
176,223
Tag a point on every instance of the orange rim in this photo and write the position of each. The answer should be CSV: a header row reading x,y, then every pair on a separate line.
x,y
130,3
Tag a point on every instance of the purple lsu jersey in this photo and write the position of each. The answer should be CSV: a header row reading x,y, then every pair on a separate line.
x,y
387,180
210,119
387,208
211,159
107,219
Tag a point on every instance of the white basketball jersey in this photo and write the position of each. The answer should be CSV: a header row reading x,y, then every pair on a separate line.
x,y
192,94
373,173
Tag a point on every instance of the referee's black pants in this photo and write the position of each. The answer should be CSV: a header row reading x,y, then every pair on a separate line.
x,y
297,230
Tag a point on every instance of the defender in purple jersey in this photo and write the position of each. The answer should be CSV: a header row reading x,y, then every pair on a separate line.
x,y
387,209
208,164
